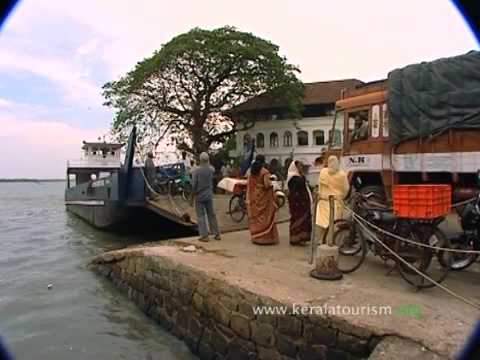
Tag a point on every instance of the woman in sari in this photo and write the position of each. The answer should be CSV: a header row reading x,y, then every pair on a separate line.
x,y
261,204
299,202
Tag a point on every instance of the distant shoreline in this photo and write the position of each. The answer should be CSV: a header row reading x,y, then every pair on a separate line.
x,y
30,180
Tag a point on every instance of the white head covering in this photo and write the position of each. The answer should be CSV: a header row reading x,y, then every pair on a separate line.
x,y
333,165
292,171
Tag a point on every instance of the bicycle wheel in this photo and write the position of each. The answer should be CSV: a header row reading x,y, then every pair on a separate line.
x,y
186,192
352,247
237,208
430,262
280,199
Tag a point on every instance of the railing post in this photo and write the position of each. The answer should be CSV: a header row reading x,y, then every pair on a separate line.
x,y
331,220
326,266
313,237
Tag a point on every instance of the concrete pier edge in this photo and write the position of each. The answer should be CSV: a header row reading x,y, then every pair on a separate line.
x,y
215,318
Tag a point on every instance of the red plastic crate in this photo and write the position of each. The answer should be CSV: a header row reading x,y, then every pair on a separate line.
x,y
422,201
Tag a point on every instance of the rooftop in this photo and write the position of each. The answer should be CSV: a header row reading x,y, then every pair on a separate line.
x,y
316,93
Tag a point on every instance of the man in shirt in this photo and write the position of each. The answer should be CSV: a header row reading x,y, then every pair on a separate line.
x,y
202,187
150,174
361,129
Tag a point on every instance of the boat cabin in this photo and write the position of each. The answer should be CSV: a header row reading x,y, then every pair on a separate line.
x,y
99,160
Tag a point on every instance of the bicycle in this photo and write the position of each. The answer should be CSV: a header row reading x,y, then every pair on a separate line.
x,y
238,206
238,203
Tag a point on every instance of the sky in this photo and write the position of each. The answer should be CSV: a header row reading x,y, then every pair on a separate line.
x,y
55,55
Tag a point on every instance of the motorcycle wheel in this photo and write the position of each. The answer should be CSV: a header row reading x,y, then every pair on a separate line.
x,y
462,261
352,246
435,264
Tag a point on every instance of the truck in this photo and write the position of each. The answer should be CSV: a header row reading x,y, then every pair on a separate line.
x,y
421,125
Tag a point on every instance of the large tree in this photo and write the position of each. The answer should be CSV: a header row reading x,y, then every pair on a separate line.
x,y
186,89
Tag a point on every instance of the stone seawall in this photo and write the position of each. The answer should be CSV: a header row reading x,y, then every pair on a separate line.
x,y
216,319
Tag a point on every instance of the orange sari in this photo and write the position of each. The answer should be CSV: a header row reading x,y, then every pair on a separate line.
x,y
261,208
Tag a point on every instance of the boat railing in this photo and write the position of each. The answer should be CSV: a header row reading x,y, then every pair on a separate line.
x,y
93,163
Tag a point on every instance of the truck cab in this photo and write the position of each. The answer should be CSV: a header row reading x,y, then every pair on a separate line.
x,y
361,136
364,126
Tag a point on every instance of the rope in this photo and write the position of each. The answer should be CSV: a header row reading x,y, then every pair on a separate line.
x,y
443,287
385,232
151,189
465,202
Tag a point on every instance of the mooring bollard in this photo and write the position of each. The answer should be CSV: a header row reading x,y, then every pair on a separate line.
x,y
326,267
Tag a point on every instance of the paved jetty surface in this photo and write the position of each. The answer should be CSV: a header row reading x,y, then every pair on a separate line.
x,y
177,206
430,317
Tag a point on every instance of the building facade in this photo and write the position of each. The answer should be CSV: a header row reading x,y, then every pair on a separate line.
x,y
280,137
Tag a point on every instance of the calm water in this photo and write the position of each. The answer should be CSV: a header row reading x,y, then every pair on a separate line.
x,y
83,316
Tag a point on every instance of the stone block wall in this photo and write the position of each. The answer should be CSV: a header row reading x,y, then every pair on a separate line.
x,y
216,319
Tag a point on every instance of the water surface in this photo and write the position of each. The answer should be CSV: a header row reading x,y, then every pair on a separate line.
x,y
83,316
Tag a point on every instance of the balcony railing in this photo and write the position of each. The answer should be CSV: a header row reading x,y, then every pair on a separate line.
x,y
94,163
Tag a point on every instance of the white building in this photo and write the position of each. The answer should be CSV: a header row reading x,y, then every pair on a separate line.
x,y
280,137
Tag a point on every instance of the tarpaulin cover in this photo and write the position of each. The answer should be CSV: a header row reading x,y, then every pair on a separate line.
x,y
431,97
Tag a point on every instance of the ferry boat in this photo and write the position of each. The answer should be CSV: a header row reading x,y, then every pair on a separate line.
x,y
110,194
97,185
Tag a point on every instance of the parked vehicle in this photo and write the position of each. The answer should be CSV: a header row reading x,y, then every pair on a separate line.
x,y
419,126
238,201
182,186
354,241
168,178
470,238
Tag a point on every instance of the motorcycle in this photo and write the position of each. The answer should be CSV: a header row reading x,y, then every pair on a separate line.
x,y
470,238
182,186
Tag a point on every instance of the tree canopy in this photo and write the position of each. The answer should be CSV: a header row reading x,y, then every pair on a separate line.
x,y
186,89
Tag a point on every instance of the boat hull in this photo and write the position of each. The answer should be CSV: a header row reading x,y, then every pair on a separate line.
x,y
106,215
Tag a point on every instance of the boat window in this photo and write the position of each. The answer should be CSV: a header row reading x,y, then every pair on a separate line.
x,y
358,125
104,174
72,180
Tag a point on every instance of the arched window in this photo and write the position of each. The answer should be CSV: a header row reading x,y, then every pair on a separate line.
x,y
260,140
319,137
273,140
287,139
302,138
